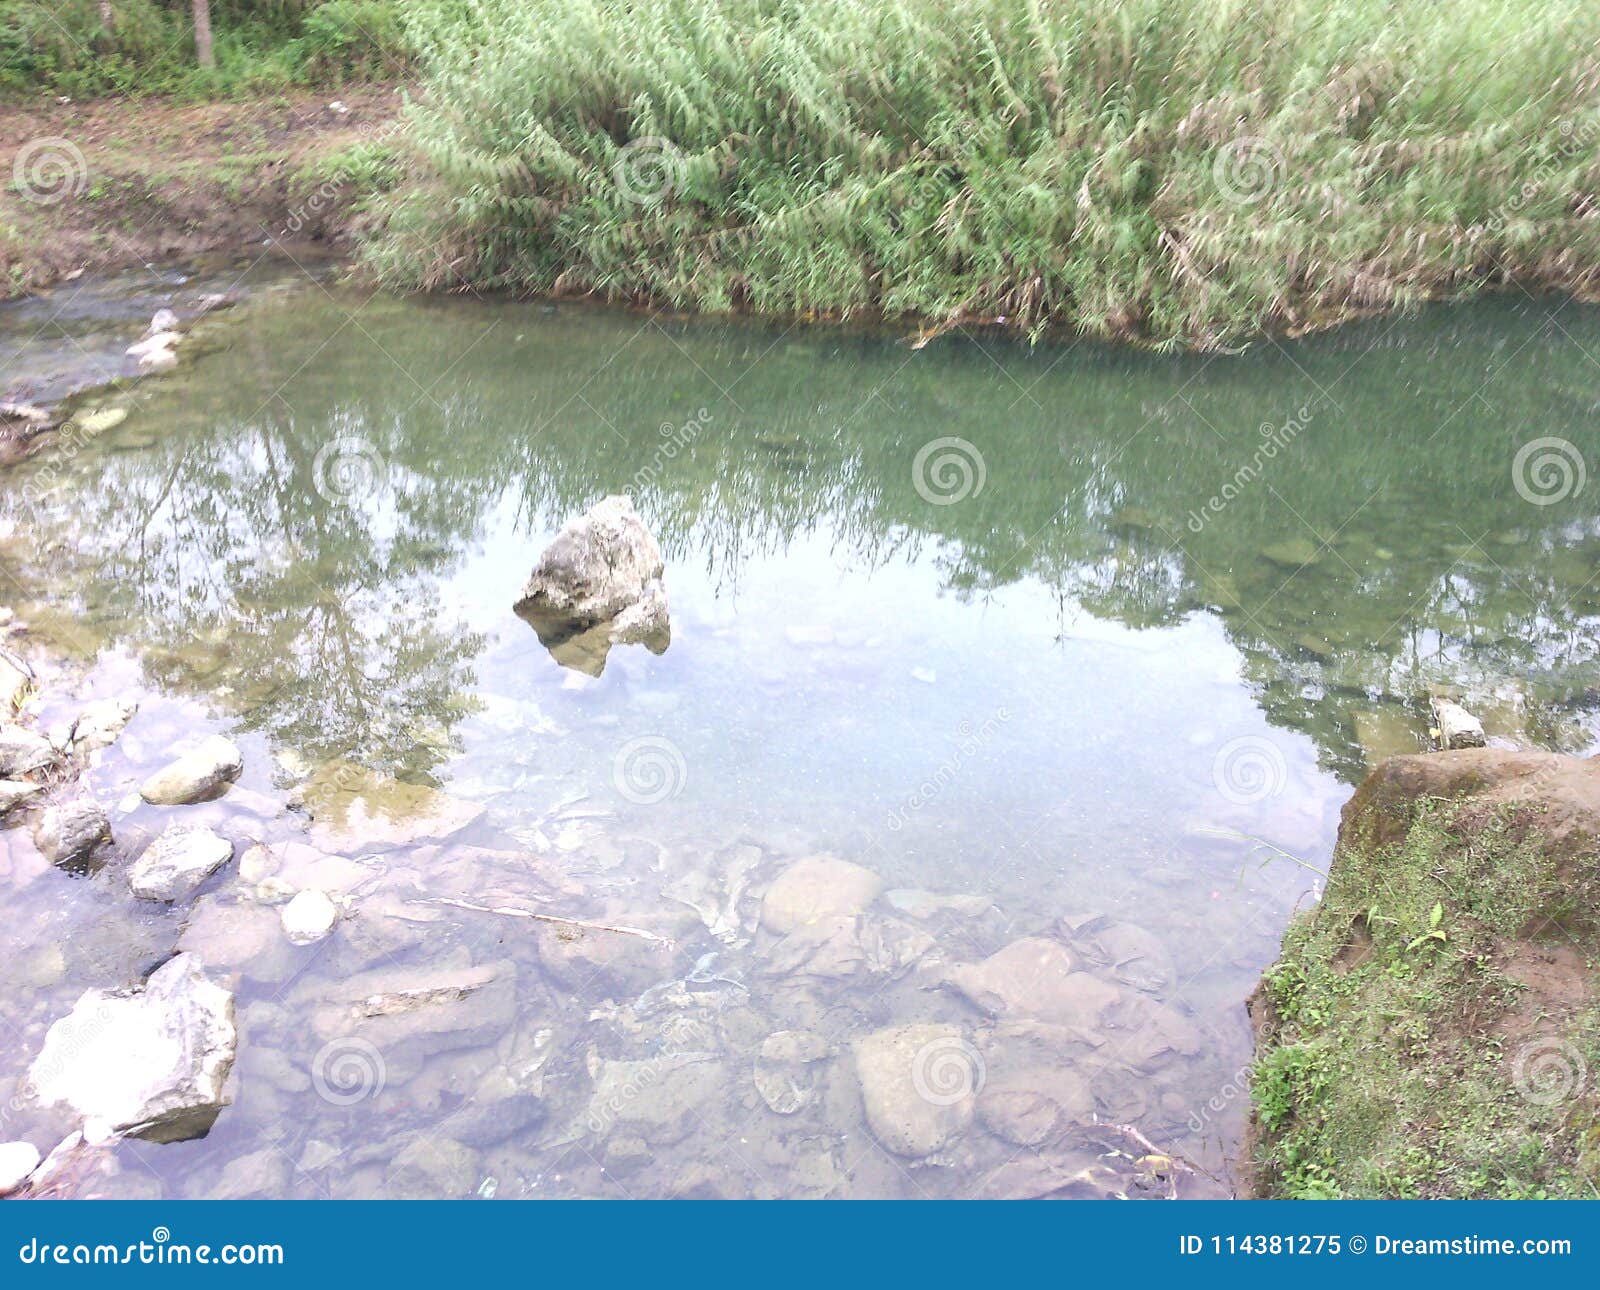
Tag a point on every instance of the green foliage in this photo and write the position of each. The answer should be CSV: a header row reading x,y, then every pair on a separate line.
x,y
63,48
1384,1073
1173,170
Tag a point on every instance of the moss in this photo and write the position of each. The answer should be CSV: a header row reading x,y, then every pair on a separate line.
x,y
1403,1054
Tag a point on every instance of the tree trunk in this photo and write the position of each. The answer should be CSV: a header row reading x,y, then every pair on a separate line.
x,y
108,20
202,33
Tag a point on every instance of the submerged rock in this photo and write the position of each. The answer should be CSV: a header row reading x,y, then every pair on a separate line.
x,y
918,1085
181,858
71,832
598,584
150,1063
924,905
97,726
157,352
783,1074
351,806
1035,977
196,775
815,888
1455,727
433,1168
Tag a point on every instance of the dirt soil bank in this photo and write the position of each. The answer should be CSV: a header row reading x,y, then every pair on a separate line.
x,y
1433,1027
108,185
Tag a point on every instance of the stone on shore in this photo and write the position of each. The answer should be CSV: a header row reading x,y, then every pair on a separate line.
x,y
72,831
22,751
150,1063
815,888
156,352
919,1085
196,775
14,792
97,726
15,680
174,866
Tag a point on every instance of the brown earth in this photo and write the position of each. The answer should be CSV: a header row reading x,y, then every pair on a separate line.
x,y
127,182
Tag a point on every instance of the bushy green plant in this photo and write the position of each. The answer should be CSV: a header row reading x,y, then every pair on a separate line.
x,y
1172,170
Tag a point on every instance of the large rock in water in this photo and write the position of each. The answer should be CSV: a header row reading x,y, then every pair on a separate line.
x,y
598,584
150,1063
195,776
71,832
919,1085
177,862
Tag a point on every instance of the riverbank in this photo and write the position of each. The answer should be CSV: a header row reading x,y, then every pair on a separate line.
x,y
120,183
1433,1029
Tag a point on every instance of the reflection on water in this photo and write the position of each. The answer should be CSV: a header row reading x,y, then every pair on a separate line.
x,y
1096,670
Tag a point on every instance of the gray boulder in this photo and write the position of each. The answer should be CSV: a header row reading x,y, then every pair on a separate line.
x,y
196,775
72,831
23,751
177,862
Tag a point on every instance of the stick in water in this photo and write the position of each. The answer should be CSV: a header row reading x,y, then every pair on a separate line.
x,y
513,912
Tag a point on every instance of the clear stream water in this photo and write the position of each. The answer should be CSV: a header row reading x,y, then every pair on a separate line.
x,y
1033,664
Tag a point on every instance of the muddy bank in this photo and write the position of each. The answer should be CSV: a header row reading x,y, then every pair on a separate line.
x,y
118,184
1432,1028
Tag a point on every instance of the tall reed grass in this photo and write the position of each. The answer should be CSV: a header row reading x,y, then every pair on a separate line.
x,y
1175,171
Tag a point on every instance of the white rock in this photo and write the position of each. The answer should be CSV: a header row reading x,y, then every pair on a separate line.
x,y
156,352
919,1085
1457,728
163,320
816,888
17,1161
150,1063
177,862
195,775
309,917
13,792
97,726
23,751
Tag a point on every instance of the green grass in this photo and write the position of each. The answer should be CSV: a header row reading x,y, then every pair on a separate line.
x,y
1172,171
61,47
1391,1069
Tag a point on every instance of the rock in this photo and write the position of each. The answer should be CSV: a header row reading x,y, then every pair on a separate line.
x,y
782,1072
923,905
71,832
815,888
351,806
23,751
598,584
1127,953
410,1014
261,1175
196,775
1293,553
309,917
1455,727
14,792
433,1168
150,1063
1035,977
16,678
17,1161
163,320
1033,1093
97,726
96,421
657,1099
181,858
156,352
499,1108
918,1085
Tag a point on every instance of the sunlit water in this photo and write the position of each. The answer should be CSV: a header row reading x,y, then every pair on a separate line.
x,y
1037,664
